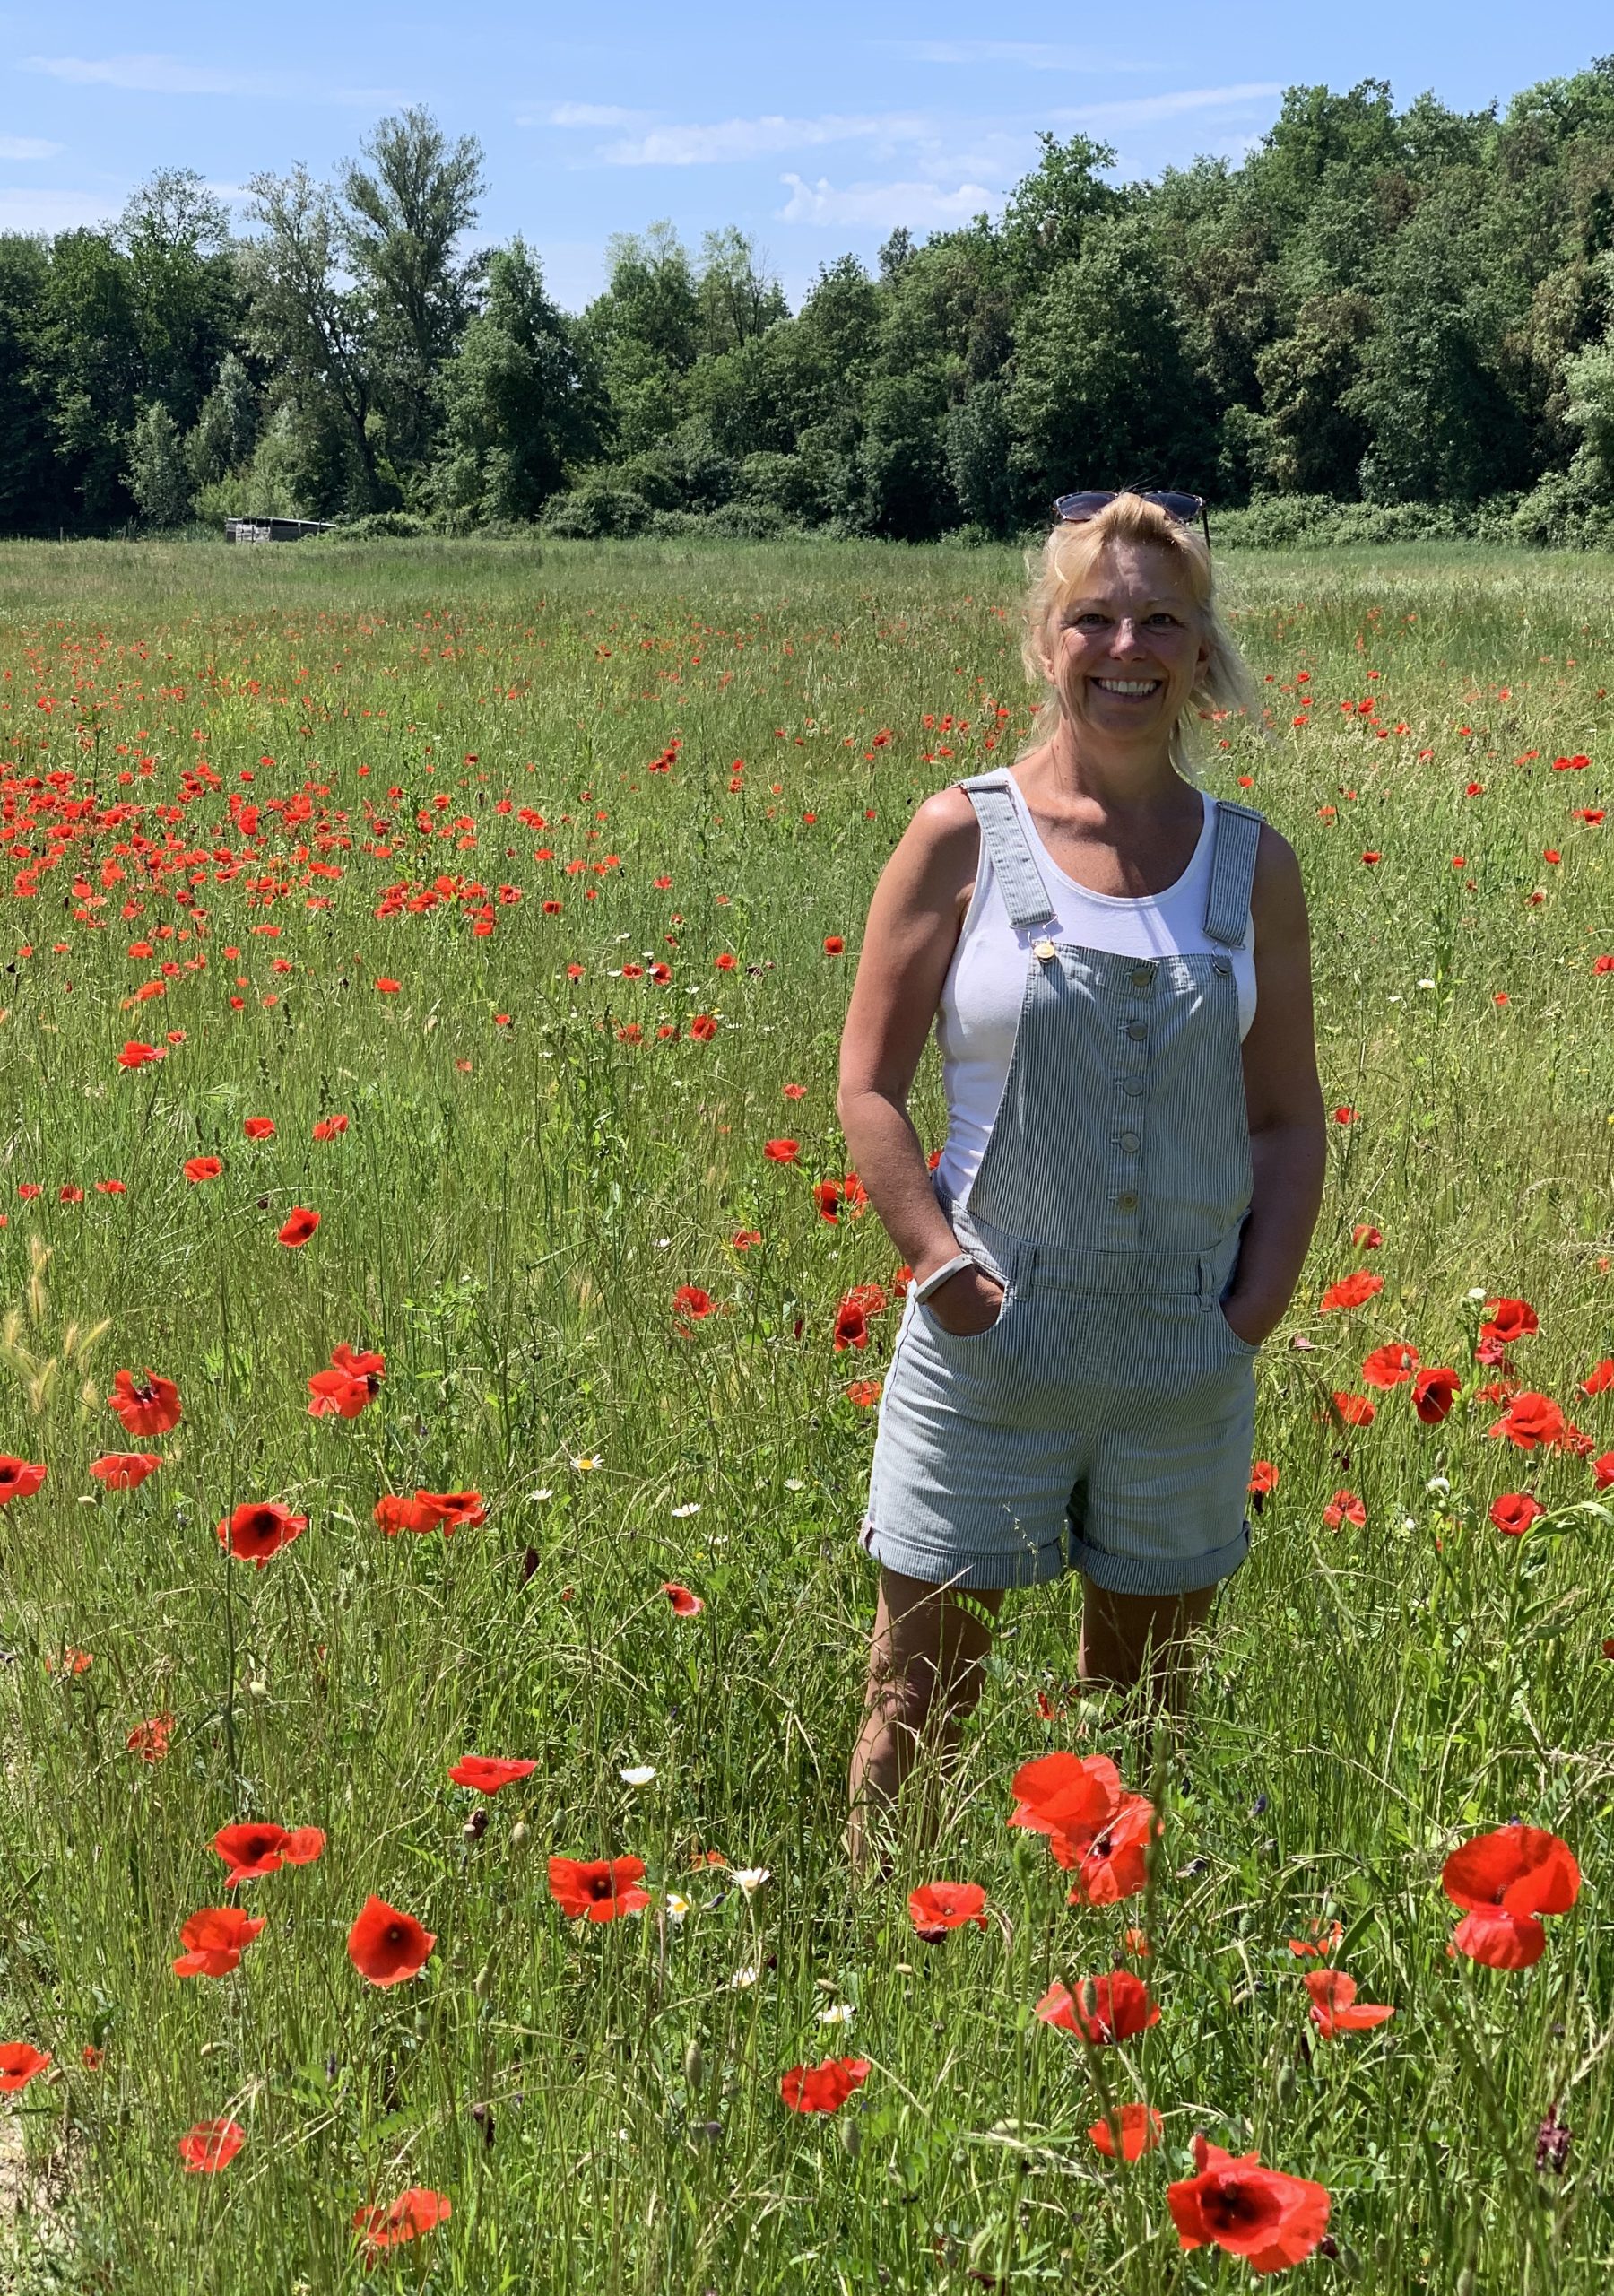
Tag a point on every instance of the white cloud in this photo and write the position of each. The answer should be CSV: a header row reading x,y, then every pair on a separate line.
x,y
171,76
882,204
27,147
756,139
55,211
582,115
1138,111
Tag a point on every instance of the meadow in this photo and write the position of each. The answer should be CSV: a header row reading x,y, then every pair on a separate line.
x,y
498,905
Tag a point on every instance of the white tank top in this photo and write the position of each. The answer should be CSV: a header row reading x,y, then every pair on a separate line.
x,y
986,983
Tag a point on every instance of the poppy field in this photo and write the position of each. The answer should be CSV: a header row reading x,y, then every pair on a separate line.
x,y
440,1334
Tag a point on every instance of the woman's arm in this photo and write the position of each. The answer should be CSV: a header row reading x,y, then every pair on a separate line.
x,y
908,943
1287,1133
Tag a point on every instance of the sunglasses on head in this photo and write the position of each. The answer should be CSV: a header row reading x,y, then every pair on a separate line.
x,y
1187,509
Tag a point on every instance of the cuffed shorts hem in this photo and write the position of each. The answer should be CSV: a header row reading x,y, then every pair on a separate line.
x,y
1185,1574
972,1574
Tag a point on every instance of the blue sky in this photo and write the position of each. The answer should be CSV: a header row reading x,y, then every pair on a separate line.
x,y
816,129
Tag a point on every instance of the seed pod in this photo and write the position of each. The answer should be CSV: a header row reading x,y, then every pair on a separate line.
x,y
1465,2284
519,1833
1288,2087
475,1825
694,2064
484,1980
851,2138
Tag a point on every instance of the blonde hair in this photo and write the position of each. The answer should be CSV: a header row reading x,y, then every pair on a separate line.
x,y
1065,560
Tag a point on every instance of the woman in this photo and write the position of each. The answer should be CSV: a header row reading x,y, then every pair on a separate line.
x,y
1118,972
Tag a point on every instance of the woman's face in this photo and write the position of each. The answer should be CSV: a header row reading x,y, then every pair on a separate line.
x,y
1125,648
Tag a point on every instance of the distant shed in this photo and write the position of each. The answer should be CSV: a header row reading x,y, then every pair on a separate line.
x,y
274,529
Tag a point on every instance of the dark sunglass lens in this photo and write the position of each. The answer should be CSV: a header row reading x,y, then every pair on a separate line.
x,y
1184,508
1077,507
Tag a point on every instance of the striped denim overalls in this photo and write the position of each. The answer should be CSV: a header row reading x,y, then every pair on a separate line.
x,y
1105,1421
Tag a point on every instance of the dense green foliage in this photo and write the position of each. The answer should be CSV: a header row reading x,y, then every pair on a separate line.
x,y
1412,308
220,766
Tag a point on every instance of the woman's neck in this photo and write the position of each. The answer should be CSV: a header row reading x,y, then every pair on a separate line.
x,y
1117,777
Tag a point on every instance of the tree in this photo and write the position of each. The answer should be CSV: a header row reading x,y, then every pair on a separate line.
x,y
32,497
226,430
1047,221
183,287
157,476
519,402
90,353
978,443
739,298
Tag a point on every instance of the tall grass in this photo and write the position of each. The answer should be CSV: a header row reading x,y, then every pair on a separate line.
x,y
519,1194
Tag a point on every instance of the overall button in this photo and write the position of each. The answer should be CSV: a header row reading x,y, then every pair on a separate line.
x,y
1137,1030
1142,976
1128,1203
1130,1141
1221,968
1133,1086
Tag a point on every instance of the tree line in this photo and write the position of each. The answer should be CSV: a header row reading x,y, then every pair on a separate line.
x,y
1374,307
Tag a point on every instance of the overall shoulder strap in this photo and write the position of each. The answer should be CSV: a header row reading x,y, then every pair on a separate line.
x,y
1232,873
1020,880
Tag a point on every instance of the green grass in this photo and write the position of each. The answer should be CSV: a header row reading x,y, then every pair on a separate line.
x,y
506,1218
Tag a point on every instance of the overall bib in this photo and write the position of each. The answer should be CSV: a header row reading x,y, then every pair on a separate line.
x,y
1105,1421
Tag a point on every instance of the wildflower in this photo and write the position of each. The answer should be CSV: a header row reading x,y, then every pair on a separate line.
x,y
1433,1390
1263,1478
150,1739
1366,1238
202,1167
1345,1506
1356,1411
430,1511
937,1907
488,1772
684,1604
19,1478
1113,1864
330,1128
838,2012
135,1055
1506,1321
1334,2007
641,1773
1599,1378
598,1890
749,1879
147,1405
1272,2219
690,1304
1528,1420
1351,1291
1390,1366
1319,1944
255,1849
1134,2130
258,1127
387,1947
352,1380
388,987
1505,1879
298,1227
864,1393
781,1152
214,1940
1102,2009
823,2088
257,1531
210,2145
1515,1512
833,945
124,1470
1070,1794
18,2062
418,2210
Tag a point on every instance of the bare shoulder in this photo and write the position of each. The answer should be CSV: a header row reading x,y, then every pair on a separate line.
x,y
936,853
1277,897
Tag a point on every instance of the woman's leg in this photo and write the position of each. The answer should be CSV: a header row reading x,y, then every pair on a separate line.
x,y
1122,1635
924,1676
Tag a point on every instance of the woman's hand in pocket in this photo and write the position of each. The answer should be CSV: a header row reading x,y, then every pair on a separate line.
x,y
969,1304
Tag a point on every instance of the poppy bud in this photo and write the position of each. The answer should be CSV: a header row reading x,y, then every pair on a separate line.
x,y
694,2064
1466,2283
1289,2088
851,2138
518,1834
484,1982
475,1825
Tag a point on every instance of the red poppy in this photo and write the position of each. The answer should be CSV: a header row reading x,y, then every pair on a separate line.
x,y
1345,1506
430,1511
150,1739
1140,2129
252,1849
937,1907
210,2145
1356,1411
1515,1512
1115,1865
71,1662
147,1405
19,2062
823,2088
388,987
864,1392
1531,1419
124,1470
259,1128
1598,1379
488,1772
19,1478
597,1890
1334,2007
353,1379
1519,1869
254,1532
202,1167
1321,1943
418,2210
1508,1320
690,1304
215,1939
135,1055
827,1195
703,1027
1390,1366
1351,1291
833,945
299,1227
1366,1237
387,1947
1499,1940
684,1604
1271,2220
1602,1471
781,1152
1072,1794
330,1128
1263,1478
1433,1392
1111,2008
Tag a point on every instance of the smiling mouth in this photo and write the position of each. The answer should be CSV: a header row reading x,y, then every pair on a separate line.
x,y
1132,689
